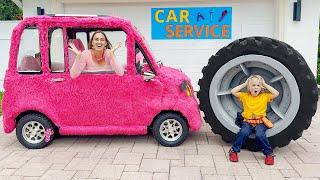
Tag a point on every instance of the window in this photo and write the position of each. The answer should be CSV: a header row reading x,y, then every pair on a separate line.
x,y
142,63
29,59
83,37
118,37
56,50
80,37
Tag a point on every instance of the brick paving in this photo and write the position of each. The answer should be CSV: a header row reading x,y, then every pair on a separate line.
x,y
202,156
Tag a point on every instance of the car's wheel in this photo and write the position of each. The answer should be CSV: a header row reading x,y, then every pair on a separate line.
x,y
281,66
170,129
34,131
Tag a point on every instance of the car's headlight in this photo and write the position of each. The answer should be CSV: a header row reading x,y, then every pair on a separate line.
x,y
186,87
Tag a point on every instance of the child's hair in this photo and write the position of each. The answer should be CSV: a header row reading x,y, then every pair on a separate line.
x,y
260,80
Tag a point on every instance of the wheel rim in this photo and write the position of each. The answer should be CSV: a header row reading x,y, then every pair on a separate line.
x,y
281,112
33,132
170,130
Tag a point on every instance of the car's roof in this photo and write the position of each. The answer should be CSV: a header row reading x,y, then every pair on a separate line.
x,y
65,18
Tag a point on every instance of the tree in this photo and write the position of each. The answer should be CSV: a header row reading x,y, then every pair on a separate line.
x,y
9,10
319,42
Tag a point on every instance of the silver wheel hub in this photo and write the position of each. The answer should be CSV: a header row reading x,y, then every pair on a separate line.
x,y
281,111
170,130
33,132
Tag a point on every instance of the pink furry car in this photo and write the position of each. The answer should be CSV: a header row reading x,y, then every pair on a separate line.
x,y
41,100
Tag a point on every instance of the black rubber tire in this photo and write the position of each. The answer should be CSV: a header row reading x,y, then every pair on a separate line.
x,y
34,117
156,129
287,56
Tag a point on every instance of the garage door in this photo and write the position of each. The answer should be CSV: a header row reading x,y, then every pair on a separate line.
x,y
249,18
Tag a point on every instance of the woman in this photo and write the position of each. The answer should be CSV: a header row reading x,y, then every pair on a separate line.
x,y
99,56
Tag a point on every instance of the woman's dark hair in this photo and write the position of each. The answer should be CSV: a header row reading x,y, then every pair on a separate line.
x,y
108,46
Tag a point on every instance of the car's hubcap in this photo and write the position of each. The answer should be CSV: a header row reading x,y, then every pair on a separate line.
x,y
225,106
33,132
170,130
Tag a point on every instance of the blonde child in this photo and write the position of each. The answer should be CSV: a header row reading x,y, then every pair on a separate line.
x,y
254,104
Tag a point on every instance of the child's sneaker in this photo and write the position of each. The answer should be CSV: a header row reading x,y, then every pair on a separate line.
x,y
233,156
269,160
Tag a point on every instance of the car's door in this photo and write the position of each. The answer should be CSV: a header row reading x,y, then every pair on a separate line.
x,y
97,100
147,94
92,99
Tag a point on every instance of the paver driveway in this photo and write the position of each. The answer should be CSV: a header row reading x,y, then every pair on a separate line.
x,y
202,156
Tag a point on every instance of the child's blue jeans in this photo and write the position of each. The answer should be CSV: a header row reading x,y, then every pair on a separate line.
x,y
261,138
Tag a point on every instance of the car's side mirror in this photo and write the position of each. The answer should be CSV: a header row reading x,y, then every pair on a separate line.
x,y
160,63
147,76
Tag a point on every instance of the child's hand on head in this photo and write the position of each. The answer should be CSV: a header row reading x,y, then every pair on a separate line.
x,y
262,80
247,82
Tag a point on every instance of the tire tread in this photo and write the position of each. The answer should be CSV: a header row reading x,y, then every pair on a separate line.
x,y
289,57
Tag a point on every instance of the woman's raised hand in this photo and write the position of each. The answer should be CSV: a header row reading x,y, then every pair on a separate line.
x,y
114,48
74,49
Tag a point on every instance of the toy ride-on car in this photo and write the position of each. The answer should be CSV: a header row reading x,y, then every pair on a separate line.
x,y
42,100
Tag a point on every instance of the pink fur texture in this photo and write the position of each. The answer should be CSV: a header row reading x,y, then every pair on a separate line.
x,y
93,103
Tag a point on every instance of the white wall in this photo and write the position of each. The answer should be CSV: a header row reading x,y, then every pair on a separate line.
x,y
5,36
50,6
303,35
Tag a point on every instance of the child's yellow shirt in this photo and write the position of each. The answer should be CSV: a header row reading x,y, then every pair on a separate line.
x,y
254,107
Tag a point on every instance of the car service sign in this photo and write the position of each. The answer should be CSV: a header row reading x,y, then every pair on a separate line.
x,y
191,23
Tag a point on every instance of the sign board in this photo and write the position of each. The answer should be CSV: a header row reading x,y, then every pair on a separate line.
x,y
191,23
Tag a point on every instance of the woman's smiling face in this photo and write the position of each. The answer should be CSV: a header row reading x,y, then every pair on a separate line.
x,y
255,86
99,42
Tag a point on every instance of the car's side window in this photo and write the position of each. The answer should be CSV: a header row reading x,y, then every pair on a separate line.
x,y
120,54
79,39
82,36
141,61
29,59
56,50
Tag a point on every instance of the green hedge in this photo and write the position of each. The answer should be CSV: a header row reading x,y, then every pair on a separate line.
x,y
9,11
318,71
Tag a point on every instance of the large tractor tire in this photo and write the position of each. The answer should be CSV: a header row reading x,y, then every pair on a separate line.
x,y
281,66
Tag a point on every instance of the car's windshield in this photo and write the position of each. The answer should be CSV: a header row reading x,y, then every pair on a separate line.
x,y
146,43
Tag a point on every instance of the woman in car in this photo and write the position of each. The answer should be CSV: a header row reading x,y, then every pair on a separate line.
x,y
99,57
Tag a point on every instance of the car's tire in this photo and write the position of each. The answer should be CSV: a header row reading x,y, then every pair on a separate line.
x,y
34,131
280,65
170,129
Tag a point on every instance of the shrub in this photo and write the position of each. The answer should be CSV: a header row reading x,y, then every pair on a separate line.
x,y
318,71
